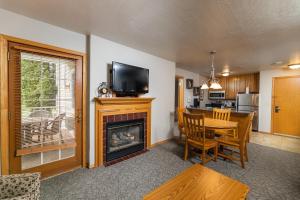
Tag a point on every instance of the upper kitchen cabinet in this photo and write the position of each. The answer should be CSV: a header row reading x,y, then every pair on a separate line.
x,y
231,87
242,82
253,82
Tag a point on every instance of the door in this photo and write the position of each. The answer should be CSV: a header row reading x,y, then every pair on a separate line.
x,y
286,106
45,105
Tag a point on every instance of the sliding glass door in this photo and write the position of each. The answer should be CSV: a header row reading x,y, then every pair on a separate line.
x,y
45,97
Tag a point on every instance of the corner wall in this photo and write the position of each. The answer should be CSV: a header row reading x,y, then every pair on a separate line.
x,y
161,84
265,99
188,93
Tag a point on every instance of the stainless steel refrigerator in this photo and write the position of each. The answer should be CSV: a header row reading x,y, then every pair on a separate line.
x,y
248,103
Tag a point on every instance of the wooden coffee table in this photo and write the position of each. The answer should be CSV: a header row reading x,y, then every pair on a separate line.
x,y
198,182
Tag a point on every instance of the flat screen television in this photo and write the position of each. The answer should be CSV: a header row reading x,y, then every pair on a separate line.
x,y
128,80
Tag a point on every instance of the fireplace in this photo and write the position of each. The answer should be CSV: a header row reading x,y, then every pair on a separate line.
x,y
124,136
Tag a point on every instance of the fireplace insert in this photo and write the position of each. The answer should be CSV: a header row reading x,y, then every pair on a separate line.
x,y
124,138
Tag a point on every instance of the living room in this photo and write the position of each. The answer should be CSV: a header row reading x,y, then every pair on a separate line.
x,y
66,114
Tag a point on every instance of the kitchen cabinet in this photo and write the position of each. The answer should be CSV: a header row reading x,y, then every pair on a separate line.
x,y
231,87
254,82
238,83
222,81
242,82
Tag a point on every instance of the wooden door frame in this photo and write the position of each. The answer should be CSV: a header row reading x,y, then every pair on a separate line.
x,y
272,104
180,92
4,109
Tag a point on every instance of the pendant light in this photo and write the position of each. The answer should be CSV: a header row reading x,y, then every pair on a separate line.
x,y
213,81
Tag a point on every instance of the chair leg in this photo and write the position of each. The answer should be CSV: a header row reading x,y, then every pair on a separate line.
x,y
186,151
216,153
242,153
203,157
246,153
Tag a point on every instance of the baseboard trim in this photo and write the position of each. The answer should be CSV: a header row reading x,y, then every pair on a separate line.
x,y
289,136
161,142
91,166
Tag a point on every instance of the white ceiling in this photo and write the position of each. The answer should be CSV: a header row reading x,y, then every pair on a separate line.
x,y
248,35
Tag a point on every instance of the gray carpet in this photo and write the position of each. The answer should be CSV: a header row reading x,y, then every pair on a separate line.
x,y
270,174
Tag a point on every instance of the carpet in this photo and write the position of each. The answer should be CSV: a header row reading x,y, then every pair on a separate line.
x,y
270,173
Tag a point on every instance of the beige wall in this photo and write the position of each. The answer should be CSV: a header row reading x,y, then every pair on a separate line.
x,y
265,100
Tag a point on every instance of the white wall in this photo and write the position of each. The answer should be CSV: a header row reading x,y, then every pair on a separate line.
x,y
26,28
188,93
265,100
161,83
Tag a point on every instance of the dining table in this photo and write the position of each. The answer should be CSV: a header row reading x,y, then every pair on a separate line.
x,y
217,124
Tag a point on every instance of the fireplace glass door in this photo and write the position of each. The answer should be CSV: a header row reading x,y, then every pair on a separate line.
x,y
124,138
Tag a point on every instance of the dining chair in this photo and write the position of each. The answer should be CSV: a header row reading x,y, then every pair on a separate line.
x,y
195,132
224,114
180,112
239,143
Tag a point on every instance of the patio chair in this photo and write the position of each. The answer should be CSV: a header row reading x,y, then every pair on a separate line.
x,y
53,127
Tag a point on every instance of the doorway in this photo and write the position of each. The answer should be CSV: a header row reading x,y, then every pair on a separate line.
x,y
45,101
286,106
179,95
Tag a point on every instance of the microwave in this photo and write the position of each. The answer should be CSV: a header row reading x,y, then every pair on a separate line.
x,y
216,94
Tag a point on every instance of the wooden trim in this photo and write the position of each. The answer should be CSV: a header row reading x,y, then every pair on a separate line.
x,y
289,136
26,151
4,122
161,142
272,105
45,46
180,91
123,100
84,109
179,77
41,51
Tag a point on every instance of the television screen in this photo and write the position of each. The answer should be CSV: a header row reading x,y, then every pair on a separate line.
x,y
129,80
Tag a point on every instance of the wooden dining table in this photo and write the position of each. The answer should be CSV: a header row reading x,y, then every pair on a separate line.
x,y
219,124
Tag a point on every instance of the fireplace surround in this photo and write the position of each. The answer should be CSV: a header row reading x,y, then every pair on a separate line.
x,y
121,112
123,136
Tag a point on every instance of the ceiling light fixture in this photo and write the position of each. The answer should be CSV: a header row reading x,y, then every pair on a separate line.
x,y
294,66
213,81
225,73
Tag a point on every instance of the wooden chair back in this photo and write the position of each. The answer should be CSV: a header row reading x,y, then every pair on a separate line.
x,y
222,114
194,126
245,129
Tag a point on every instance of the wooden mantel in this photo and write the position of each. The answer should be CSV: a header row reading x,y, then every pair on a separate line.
x,y
118,106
